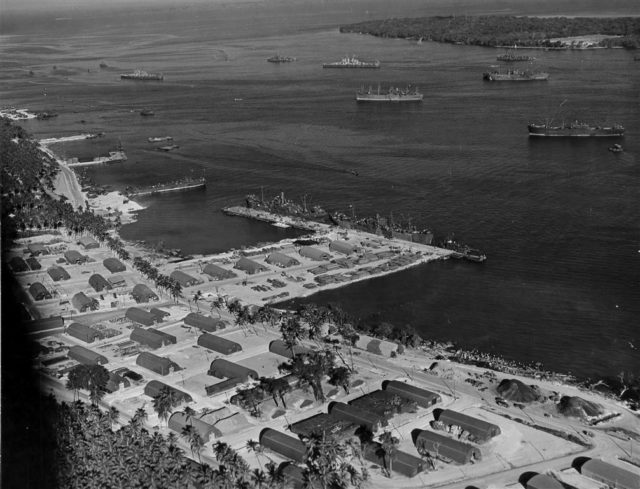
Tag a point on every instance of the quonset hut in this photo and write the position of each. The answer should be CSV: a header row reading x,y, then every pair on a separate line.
x,y
249,266
83,332
114,265
140,316
158,314
342,247
184,279
17,264
33,263
423,397
222,368
99,283
357,416
543,481
279,347
216,343
481,431
218,273
152,338
283,444
281,260
142,293
39,292
37,249
153,388
314,253
179,421
87,242
159,365
402,462
441,446
82,303
58,273
610,474
205,323
74,256
86,356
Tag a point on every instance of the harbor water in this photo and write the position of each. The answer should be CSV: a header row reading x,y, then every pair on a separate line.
x,y
558,219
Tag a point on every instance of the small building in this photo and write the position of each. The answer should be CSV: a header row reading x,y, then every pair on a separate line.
x,y
342,247
216,343
314,254
249,266
283,444
480,430
114,265
281,260
544,481
117,281
142,293
154,387
83,332
423,397
159,365
184,279
205,323
152,338
140,316
222,368
39,292
357,416
87,242
58,273
217,272
441,446
158,314
179,421
17,265
225,385
375,345
402,462
86,356
33,263
38,249
610,474
74,257
99,283
340,429
279,347
116,382
384,404
83,303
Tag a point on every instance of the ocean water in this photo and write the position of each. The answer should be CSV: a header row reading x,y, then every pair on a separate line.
x,y
557,219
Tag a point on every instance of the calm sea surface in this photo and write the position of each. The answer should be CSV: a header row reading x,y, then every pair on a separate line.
x,y
557,219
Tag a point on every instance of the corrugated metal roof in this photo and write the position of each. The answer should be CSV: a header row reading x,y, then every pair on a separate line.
x,y
39,292
358,416
205,323
480,429
342,247
610,474
402,462
114,265
423,397
160,365
543,481
277,258
140,316
82,332
443,446
184,279
98,282
222,368
314,253
218,272
279,347
283,444
216,343
86,356
249,266
153,388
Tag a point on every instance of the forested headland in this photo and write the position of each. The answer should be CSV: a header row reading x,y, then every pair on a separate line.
x,y
498,30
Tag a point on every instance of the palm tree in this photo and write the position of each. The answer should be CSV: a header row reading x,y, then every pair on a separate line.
x,y
194,439
340,377
258,477
164,402
256,448
388,449
113,415
196,297
275,477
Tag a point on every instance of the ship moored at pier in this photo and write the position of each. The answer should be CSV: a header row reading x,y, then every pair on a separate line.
x,y
575,129
393,94
352,62
142,75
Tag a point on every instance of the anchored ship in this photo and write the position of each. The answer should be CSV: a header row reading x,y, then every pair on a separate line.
x,y
511,57
463,251
515,75
281,59
575,129
394,94
160,139
187,183
142,75
352,62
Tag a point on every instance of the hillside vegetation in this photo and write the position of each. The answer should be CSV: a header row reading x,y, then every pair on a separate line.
x,y
494,30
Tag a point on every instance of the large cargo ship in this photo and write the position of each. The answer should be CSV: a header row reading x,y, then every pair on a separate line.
x,y
515,75
394,94
574,129
142,75
281,59
187,183
352,62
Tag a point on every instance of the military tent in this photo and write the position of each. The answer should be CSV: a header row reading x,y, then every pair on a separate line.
x,y
342,247
73,257
281,260
87,242
152,338
159,314
357,416
515,390
402,462
423,397
179,421
217,272
33,263
225,385
279,347
314,253
543,481
86,356
99,283
154,387
184,279
39,292
283,444
17,264
216,343
610,474
205,323
58,273
444,447
159,365
114,265
83,303
83,332
115,382
38,249
142,293
140,316
249,266
480,430
222,368
117,281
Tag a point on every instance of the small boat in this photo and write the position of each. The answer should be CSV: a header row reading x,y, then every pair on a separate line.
x,y
616,148
168,148
147,112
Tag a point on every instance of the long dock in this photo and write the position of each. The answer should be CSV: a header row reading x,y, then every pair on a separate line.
x,y
271,218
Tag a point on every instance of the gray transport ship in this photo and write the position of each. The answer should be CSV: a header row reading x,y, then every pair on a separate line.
x,y
575,129
393,94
